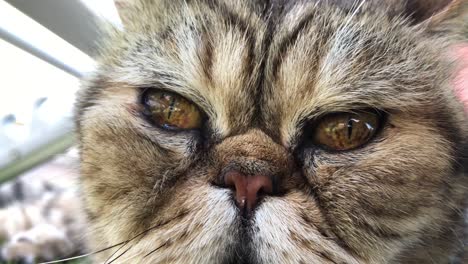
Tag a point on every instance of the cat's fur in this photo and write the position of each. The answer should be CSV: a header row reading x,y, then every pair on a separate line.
x,y
260,70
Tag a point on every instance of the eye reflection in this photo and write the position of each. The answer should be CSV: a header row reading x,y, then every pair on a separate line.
x,y
345,131
171,111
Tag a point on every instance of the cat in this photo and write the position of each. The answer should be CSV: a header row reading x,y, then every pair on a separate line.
x,y
219,131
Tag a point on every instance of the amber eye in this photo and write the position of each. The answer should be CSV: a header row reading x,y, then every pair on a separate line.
x,y
346,131
171,111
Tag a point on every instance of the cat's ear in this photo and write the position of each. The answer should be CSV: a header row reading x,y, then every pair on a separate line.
x,y
447,19
123,7
440,16
460,82
131,11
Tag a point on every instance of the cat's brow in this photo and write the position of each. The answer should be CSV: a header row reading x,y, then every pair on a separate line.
x,y
317,67
188,92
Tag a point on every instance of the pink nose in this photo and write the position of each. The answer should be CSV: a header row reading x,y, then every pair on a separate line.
x,y
248,188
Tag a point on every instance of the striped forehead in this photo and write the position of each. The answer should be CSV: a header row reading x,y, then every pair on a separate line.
x,y
236,60
210,54
327,59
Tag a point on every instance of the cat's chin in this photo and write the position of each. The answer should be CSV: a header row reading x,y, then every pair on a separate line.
x,y
276,232
216,231
265,238
237,260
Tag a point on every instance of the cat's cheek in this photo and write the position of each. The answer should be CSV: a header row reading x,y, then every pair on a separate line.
x,y
119,114
398,177
198,224
292,229
122,165
120,108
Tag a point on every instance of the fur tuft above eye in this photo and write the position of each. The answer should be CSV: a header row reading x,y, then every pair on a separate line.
x,y
170,111
346,131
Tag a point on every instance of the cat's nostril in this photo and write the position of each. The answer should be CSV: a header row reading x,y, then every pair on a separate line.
x,y
261,192
248,188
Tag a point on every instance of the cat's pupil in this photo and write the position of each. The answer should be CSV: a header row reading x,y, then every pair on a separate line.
x,y
170,111
350,127
171,108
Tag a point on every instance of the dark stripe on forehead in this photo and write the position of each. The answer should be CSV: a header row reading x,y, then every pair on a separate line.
x,y
207,58
289,40
272,14
233,19
278,10
227,14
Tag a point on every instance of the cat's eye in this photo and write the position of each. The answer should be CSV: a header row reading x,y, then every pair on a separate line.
x,y
171,111
346,131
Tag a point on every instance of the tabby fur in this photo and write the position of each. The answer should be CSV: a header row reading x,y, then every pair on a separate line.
x,y
261,71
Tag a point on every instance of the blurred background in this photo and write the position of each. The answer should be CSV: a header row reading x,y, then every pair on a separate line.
x,y
45,47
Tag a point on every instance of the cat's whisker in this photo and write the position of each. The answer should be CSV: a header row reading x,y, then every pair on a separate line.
x,y
157,186
120,255
141,235
112,255
130,257
156,249
121,244
82,256
354,13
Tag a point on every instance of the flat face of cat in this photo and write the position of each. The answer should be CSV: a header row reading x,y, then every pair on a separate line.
x,y
276,132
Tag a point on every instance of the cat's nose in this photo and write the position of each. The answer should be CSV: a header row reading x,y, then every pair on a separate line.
x,y
249,189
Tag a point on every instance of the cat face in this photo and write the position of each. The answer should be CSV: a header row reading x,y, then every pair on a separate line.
x,y
299,132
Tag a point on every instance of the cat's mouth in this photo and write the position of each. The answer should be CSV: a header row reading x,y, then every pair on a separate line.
x,y
237,261
242,251
241,258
